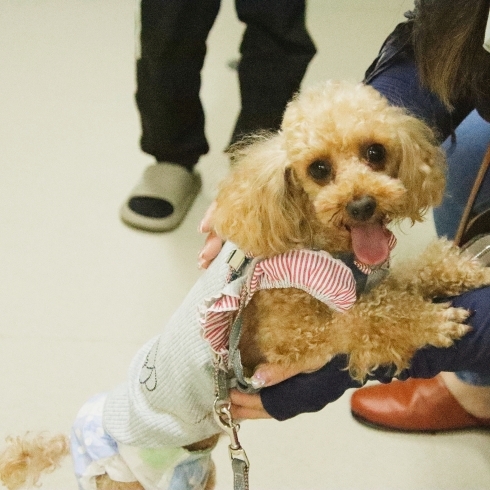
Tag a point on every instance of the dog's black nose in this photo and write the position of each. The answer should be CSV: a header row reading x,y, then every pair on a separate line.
x,y
362,209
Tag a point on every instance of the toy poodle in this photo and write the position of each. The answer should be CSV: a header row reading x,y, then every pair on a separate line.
x,y
302,277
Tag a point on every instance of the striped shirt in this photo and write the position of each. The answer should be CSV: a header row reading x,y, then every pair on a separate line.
x,y
316,272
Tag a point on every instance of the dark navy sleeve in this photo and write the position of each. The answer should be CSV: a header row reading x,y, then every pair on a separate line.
x,y
311,392
471,352
308,392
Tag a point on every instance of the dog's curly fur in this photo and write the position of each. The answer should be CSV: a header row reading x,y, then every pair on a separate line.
x,y
294,189
277,200
27,457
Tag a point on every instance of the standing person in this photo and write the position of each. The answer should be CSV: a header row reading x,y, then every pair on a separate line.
x,y
275,52
435,64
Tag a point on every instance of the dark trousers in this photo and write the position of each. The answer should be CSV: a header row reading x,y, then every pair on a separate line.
x,y
275,52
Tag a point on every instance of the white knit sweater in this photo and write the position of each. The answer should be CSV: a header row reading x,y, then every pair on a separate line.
x,y
169,396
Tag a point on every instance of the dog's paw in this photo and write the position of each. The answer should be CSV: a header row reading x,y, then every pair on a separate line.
x,y
451,326
486,276
455,315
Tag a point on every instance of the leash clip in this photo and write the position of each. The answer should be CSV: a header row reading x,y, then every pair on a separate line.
x,y
222,416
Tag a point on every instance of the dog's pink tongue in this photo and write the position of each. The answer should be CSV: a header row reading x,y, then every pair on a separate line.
x,y
370,243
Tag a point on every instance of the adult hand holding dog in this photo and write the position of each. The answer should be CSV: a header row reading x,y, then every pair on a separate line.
x,y
213,243
246,406
287,392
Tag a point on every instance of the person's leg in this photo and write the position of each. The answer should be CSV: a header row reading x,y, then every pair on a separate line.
x,y
172,51
471,391
275,52
173,47
464,157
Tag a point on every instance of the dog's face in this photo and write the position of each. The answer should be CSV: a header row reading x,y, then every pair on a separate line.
x,y
344,164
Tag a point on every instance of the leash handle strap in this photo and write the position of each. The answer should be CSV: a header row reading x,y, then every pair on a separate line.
x,y
240,474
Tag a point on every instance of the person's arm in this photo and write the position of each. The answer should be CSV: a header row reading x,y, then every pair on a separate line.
x,y
311,392
288,393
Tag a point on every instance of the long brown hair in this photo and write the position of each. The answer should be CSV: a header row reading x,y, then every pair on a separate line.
x,y
448,38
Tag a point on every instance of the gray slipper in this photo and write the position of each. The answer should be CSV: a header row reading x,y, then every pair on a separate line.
x,y
161,199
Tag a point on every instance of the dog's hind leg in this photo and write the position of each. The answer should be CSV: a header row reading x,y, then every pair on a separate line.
x,y
105,483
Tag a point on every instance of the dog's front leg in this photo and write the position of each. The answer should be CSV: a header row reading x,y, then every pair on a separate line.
x,y
385,327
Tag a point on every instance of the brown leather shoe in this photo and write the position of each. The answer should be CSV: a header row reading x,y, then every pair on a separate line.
x,y
415,405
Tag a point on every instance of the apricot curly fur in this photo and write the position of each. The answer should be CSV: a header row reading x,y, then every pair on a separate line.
x,y
270,203
25,459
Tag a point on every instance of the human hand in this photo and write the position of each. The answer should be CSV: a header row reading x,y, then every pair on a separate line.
x,y
212,244
246,406
286,393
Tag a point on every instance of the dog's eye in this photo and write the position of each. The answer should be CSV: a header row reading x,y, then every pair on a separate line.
x,y
320,171
376,156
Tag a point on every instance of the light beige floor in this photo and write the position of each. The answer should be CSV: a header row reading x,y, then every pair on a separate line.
x,y
79,291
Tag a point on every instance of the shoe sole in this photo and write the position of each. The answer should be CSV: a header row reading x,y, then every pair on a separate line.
x,y
387,428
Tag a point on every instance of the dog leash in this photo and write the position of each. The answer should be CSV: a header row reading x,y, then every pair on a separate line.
x,y
222,415
224,379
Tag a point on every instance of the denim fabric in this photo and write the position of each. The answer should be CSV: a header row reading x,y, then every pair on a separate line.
x,y
472,378
464,157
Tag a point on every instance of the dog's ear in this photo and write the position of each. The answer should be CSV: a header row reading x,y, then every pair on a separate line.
x,y
260,206
422,167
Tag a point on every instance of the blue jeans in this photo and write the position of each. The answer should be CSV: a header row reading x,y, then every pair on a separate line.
x,y
464,157
394,74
